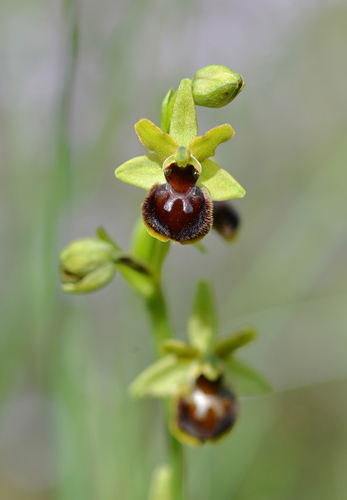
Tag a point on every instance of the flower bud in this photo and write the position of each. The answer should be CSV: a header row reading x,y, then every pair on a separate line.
x,y
206,413
86,265
216,86
226,220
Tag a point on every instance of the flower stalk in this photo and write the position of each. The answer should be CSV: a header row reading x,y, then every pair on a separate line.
x,y
162,330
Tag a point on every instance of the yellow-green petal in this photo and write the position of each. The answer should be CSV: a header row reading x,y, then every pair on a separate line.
x,y
178,348
204,146
142,171
227,345
219,183
184,125
154,139
166,110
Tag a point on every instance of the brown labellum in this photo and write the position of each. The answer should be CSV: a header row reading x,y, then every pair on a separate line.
x,y
178,210
208,412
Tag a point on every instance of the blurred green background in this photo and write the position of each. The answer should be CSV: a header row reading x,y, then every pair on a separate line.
x,y
74,78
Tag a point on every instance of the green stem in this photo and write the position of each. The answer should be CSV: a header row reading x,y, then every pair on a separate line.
x,y
162,330
161,326
176,457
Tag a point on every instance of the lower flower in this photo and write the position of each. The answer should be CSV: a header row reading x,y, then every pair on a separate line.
x,y
206,413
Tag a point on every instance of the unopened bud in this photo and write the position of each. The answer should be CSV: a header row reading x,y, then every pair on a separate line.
x,y
226,220
86,265
216,86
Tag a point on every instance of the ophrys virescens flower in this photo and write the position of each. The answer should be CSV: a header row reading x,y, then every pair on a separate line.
x,y
202,377
181,179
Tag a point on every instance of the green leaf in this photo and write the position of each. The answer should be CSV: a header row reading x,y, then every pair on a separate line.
x,y
204,146
163,378
227,345
154,139
202,324
142,171
246,380
161,484
166,110
184,126
178,348
219,183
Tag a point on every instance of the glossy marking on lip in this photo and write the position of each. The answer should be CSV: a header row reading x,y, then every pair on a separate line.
x,y
208,412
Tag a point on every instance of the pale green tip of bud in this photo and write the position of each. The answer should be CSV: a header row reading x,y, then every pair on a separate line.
x,y
216,86
86,265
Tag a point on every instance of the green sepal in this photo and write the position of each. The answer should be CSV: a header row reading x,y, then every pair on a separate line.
x,y
83,255
245,380
163,378
224,347
161,484
219,183
178,348
166,110
204,146
142,171
148,248
184,125
154,139
104,236
202,323
93,281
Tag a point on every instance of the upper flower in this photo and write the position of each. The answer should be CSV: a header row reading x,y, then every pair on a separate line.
x,y
181,179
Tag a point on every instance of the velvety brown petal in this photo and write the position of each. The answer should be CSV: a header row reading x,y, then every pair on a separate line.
x,y
184,216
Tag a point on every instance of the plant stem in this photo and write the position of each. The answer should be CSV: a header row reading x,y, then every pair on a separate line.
x,y
162,330
159,318
176,458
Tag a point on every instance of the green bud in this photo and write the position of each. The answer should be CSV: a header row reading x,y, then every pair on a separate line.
x,y
226,220
216,86
86,265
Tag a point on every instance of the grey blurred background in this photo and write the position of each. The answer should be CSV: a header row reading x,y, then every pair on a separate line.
x,y
74,78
